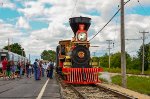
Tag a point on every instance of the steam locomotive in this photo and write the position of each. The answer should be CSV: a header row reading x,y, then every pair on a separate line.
x,y
73,61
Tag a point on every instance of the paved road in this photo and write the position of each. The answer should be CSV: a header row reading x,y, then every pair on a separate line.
x,y
28,88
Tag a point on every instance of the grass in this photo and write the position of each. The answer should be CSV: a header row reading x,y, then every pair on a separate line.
x,y
129,71
147,72
138,84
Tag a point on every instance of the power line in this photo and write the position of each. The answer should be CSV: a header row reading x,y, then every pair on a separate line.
x,y
142,7
105,25
143,48
115,30
133,39
108,22
132,51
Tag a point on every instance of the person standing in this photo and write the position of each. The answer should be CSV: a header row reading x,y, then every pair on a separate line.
x,y
43,69
21,68
27,69
9,70
35,66
51,70
48,70
40,70
4,67
13,69
18,70
30,70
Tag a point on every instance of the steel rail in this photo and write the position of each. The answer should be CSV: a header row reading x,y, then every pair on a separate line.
x,y
117,93
78,92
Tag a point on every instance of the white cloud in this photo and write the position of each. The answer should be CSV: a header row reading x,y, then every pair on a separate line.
x,y
22,23
8,31
46,38
134,24
32,9
61,11
7,4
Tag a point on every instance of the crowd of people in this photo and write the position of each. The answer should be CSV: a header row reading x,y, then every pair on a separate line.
x,y
39,69
13,70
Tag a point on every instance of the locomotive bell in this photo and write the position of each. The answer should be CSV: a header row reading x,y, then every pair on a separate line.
x,y
76,21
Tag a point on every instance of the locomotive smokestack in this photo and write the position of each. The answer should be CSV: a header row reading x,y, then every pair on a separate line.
x,y
75,21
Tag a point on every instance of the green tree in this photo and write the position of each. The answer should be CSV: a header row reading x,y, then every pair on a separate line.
x,y
135,63
95,59
146,56
48,55
128,61
104,60
116,60
149,56
16,48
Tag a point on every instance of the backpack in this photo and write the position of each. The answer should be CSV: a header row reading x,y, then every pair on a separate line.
x,y
35,65
51,66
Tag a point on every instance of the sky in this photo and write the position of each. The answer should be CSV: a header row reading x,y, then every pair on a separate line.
x,y
40,24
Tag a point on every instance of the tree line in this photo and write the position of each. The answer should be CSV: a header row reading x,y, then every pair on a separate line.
x,y
48,55
131,62
16,48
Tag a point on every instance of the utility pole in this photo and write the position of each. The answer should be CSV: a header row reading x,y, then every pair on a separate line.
x,y
22,52
29,58
12,40
94,53
109,42
143,50
123,55
8,45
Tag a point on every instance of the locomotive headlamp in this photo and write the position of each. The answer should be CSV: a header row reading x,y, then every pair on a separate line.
x,y
82,36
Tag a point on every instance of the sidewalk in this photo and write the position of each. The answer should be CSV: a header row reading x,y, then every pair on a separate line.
x,y
29,88
52,90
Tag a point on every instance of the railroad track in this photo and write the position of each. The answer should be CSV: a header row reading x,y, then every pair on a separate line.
x,y
98,92
90,92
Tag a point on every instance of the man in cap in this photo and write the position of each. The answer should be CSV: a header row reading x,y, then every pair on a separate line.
x,y
35,66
